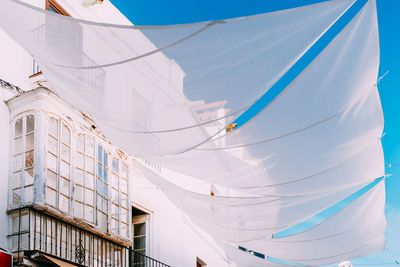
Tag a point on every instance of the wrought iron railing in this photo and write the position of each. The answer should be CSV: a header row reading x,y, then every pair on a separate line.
x,y
10,86
36,233
33,233
137,259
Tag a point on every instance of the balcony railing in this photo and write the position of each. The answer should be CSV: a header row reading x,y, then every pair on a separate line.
x,y
35,233
137,259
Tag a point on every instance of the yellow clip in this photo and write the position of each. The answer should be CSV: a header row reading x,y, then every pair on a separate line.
x,y
230,127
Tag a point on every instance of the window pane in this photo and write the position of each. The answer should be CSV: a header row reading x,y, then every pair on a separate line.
x,y
124,215
105,159
105,191
18,128
114,226
28,194
105,205
99,153
105,174
64,203
29,176
16,180
28,159
65,153
139,229
89,146
51,197
115,165
114,180
53,127
123,230
79,193
17,162
80,143
89,197
114,195
52,179
30,123
123,185
124,200
90,164
79,177
100,187
14,223
16,197
99,170
88,213
140,242
65,134
53,145
124,170
99,202
64,169
102,220
114,211
80,161
64,186
29,142
90,181
79,210
17,145
52,162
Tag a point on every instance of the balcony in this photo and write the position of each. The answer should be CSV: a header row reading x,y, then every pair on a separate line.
x,y
41,238
38,237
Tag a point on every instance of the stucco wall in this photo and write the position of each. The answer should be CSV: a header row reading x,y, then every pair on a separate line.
x,y
4,163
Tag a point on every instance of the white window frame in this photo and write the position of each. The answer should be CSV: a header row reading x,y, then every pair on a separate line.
x,y
59,160
22,169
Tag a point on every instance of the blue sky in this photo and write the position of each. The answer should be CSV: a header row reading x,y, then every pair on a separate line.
x,y
159,12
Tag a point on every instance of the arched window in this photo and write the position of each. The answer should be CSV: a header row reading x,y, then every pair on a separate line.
x,y
23,160
58,190
84,178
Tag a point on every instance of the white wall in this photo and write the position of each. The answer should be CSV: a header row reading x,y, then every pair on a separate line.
x,y
174,239
15,63
4,159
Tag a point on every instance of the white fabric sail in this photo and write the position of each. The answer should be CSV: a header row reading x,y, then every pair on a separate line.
x,y
167,93
239,219
141,99
305,159
244,259
358,223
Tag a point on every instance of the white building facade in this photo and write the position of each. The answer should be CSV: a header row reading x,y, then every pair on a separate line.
x,y
71,198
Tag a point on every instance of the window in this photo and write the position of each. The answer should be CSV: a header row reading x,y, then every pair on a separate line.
x,y
85,178
58,190
19,230
102,187
119,198
53,6
140,222
23,161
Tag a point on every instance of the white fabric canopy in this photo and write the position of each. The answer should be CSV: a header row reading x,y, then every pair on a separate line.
x,y
238,219
144,104
358,223
167,93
